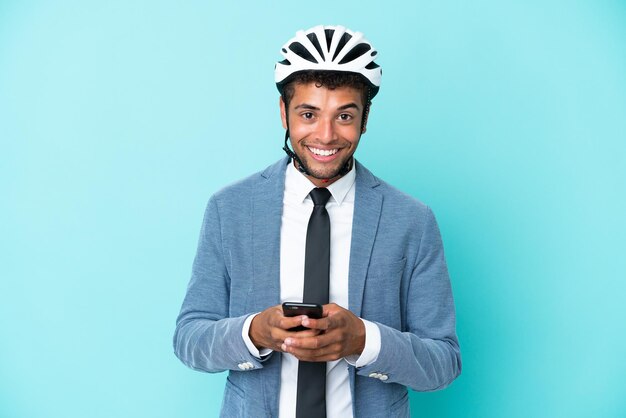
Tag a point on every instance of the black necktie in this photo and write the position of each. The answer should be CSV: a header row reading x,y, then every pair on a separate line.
x,y
311,398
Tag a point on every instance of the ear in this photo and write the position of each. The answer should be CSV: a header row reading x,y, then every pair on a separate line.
x,y
283,112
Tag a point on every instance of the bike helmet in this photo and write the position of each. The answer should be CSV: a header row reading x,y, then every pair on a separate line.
x,y
328,48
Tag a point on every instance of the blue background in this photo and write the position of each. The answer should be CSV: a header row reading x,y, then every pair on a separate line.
x,y
119,119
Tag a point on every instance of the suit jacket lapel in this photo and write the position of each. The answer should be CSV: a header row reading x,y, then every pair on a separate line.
x,y
267,208
367,208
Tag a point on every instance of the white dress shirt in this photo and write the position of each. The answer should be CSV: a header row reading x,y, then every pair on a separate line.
x,y
297,209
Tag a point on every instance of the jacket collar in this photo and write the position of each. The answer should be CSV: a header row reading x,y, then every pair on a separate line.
x,y
367,209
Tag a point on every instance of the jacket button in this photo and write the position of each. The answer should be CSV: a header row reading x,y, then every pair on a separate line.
x,y
383,377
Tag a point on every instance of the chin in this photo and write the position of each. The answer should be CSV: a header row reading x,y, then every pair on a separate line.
x,y
323,173
324,176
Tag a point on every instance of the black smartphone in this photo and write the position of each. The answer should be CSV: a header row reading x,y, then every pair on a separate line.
x,y
312,310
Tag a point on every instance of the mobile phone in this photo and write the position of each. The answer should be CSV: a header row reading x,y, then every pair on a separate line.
x,y
312,310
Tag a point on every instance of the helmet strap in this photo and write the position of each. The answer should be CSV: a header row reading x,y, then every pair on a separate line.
x,y
366,109
293,155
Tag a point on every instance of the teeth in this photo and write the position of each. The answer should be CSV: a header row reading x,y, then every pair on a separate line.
x,y
323,152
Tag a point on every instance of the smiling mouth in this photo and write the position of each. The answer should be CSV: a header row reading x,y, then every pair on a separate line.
x,y
323,152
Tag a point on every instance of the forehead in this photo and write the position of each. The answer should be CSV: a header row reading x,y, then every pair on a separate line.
x,y
314,94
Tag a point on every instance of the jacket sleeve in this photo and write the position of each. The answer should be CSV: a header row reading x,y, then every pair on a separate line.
x,y
206,338
425,354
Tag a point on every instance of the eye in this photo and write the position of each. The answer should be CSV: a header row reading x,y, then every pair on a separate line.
x,y
307,115
345,117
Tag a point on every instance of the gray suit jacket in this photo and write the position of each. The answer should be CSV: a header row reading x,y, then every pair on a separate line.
x,y
398,279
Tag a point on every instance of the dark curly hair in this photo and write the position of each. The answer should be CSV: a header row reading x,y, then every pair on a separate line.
x,y
329,79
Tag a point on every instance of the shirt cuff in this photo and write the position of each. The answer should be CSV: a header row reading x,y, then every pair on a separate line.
x,y
371,348
245,334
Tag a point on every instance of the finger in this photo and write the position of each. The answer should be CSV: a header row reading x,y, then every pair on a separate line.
x,y
335,319
314,342
302,334
320,324
330,308
328,353
279,334
288,322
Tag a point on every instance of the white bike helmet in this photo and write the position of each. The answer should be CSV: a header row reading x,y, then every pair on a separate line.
x,y
329,48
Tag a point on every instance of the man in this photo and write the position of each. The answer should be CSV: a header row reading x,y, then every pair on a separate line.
x,y
388,318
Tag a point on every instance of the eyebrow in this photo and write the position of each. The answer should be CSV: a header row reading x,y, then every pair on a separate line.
x,y
349,106
343,107
306,106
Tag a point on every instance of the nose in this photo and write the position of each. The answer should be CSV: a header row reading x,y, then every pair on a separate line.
x,y
325,130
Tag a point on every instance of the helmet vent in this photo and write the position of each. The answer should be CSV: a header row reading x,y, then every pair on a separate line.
x,y
372,65
355,53
316,43
342,42
301,51
285,62
329,37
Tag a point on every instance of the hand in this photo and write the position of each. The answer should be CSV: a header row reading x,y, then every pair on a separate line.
x,y
270,328
341,333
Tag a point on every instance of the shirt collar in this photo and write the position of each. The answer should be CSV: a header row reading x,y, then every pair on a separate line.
x,y
299,186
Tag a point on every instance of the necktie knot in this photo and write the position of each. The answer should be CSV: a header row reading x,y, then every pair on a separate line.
x,y
320,196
